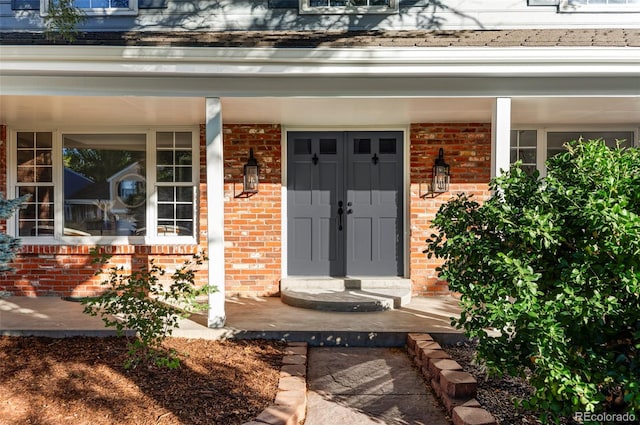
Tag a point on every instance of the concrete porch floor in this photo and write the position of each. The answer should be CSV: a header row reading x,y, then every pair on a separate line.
x,y
250,318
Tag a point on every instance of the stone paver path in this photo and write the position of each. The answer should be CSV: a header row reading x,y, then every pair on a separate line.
x,y
360,386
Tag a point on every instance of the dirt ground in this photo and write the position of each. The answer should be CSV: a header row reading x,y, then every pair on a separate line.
x,y
83,381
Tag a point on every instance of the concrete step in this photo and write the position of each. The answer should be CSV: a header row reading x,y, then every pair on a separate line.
x,y
346,294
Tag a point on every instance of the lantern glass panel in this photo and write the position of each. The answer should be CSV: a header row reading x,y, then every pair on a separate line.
x,y
440,178
250,178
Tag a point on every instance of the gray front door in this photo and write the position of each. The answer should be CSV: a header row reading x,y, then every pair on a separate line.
x,y
344,204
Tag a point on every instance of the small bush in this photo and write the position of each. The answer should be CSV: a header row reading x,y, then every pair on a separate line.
x,y
8,245
140,302
554,265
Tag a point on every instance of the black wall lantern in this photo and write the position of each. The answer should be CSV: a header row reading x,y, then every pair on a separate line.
x,y
440,174
250,178
250,173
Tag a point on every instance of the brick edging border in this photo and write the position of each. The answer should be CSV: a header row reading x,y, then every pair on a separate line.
x,y
290,405
455,388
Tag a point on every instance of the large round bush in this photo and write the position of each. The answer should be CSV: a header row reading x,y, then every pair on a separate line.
x,y
553,265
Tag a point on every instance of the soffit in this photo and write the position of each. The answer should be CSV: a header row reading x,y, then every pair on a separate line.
x,y
112,111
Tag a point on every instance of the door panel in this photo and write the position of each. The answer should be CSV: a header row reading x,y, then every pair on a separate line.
x,y
360,174
374,196
317,250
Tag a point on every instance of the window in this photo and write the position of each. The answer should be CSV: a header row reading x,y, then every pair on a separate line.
x,y
99,7
599,6
106,186
533,151
348,6
175,184
34,177
556,139
523,148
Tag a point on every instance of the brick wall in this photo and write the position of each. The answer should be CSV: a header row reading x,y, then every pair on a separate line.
x,y
467,150
253,224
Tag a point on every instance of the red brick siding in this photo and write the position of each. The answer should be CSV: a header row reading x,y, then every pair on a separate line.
x,y
467,149
253,246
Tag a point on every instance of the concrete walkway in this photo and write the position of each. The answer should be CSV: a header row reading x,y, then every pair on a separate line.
x,y
250,318
363,386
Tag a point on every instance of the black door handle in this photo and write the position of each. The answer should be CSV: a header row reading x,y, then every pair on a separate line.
x,y
340,212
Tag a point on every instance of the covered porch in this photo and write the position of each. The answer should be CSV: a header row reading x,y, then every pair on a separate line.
x,y
243,98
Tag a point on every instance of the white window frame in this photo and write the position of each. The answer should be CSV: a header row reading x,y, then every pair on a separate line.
x,y
541,145
152,236
98,11
571,6
306,8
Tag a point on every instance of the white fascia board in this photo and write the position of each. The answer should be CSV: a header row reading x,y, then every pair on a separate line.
x,y
256,62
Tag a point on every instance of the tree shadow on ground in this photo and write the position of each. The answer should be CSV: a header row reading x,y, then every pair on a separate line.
x,y
82,380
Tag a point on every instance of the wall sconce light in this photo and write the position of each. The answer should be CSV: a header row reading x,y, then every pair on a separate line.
x,y
440,182
250,178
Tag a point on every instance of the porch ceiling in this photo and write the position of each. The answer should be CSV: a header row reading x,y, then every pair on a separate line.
x,y
82,111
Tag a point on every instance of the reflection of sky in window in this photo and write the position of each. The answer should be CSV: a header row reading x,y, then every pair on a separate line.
x,y
345,3
101,4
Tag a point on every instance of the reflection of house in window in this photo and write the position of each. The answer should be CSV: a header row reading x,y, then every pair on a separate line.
x,y
111,207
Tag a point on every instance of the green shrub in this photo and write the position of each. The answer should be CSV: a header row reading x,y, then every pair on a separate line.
x,y
62,20
141,302
554,265
8,245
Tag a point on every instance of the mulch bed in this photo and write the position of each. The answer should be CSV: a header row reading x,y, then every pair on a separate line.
x,y
496,394
83,381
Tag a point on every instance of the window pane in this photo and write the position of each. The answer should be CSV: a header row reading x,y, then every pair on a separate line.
x,y
44,174
25,140
175,218
35,218
328,146
302,147
388,146
44,140
184,228
183,158
164,174
164,157
164,139
529,169
184,212
165,194
183,174
174,157
165,211
528,156
185,194
362,146
26,174
183,140
104,184
101,4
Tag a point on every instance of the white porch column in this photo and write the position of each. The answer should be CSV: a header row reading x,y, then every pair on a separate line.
x,y
500,135
215,211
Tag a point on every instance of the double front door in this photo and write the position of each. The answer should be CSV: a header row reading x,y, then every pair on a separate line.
x,y
344,203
